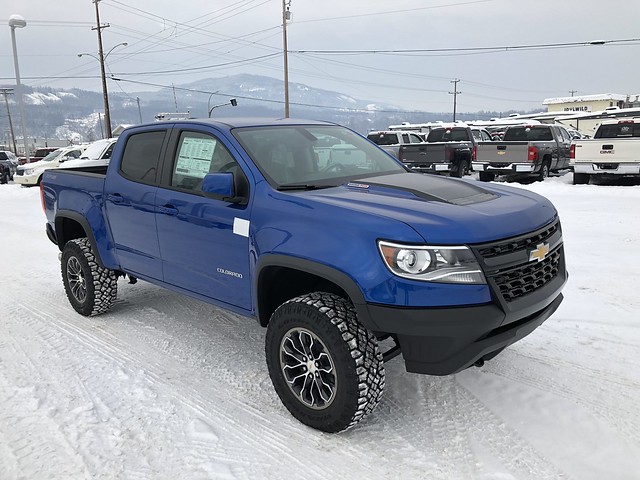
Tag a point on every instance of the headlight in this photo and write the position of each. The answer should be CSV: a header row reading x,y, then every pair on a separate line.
x,y
431,263
29,171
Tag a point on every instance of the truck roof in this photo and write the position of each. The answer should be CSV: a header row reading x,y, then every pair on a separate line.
x,y
233,122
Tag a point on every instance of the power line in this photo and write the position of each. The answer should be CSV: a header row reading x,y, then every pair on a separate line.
x,y
390,12
470,49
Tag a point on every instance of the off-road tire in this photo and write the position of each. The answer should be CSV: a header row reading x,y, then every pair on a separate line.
x,y
486,176
4,178
91,289
355,360
581,178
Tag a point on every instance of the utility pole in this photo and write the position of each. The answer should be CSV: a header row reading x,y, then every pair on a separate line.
x,y
286,15
5,92
572,92
139,111
105,95
455,94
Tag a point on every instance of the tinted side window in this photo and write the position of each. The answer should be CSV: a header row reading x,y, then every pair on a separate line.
x,y
197,155
416,139
141,156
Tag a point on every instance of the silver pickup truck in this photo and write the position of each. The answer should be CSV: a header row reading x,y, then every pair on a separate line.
x,y
526,151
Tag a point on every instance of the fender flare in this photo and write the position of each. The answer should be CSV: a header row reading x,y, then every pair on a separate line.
x,y
341,279
76,217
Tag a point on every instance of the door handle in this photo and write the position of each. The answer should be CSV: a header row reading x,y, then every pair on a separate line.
x,y
168,210
115,198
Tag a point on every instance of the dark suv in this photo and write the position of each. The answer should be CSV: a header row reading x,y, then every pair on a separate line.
x,y
8,166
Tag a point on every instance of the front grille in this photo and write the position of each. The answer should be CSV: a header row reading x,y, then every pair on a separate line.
x,y
523,279
20,172
498,249
508,265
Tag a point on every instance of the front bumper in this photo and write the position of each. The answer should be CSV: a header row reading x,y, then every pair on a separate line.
x,y
525,290
607,168
454,339
27,179
503,168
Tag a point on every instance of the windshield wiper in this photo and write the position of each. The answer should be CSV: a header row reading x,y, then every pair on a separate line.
x,y
301,186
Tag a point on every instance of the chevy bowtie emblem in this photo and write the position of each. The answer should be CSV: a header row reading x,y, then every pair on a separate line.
x,y
539,253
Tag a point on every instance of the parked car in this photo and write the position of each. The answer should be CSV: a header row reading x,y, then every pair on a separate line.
x,y
8,165
526,151
31,174
448,149
97,154
332,260
391,140
614,150
38,155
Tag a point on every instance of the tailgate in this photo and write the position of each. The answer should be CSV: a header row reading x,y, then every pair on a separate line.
x,y
608,150
423,153
502,152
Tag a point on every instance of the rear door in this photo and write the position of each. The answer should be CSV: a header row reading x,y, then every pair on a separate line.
x,y
130,202
204,242
564,144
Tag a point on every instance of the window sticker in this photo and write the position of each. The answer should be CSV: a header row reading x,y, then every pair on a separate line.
x,y
194,158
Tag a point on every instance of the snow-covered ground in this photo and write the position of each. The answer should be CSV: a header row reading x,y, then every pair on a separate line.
x,y
166,387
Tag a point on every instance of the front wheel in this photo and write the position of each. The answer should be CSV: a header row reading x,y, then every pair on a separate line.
x,y
91,289
4,178
325,366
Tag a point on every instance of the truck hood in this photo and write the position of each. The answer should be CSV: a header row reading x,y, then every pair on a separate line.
x,y
443,210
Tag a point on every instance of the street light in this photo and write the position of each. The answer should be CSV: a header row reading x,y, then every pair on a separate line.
x,y
16,21
105,94
233,102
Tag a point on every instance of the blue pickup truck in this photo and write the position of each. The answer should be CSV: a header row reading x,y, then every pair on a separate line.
x,y
342,253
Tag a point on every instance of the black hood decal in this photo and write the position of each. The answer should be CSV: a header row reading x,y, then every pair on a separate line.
x,y
433,188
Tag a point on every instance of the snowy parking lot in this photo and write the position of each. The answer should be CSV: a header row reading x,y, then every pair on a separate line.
x,y
167,387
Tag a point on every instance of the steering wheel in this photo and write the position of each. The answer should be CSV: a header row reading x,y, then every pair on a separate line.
x,y
338,167
227,166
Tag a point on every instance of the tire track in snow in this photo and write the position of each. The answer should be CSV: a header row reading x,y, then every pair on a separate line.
x,y
460,422
271,432
603,405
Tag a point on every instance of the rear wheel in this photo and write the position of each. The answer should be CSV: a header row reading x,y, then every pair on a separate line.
x,y
461,170
4,177
581,178
325,367
91,289
544,171
487,177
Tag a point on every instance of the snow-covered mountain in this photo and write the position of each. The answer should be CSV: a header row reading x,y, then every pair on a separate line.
x,y
74,113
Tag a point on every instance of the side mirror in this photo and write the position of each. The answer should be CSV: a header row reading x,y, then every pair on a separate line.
x,y
221,186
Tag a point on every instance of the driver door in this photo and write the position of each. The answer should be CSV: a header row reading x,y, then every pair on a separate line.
x,y
204,242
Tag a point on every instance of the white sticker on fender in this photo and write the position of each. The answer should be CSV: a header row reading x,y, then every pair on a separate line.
x,y
241,227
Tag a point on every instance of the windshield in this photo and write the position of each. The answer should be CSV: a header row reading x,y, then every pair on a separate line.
x,y
383,138
619,130
448,135
313,155
94,151
52,155
529,134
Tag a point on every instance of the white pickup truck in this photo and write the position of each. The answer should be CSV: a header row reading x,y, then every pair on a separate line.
x,y
614,150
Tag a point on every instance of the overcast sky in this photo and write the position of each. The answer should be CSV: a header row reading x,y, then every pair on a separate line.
x,y
218,38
